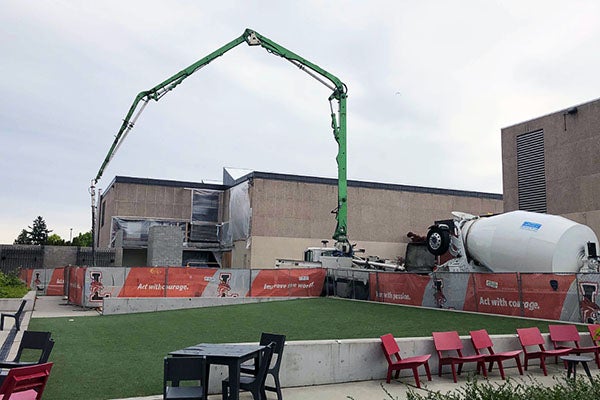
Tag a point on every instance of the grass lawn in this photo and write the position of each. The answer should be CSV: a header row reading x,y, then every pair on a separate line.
x,y
119,356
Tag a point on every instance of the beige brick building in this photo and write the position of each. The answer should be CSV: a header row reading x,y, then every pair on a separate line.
x,y
252,220
551,164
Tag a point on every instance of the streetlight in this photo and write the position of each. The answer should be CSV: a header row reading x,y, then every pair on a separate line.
x,y
71,236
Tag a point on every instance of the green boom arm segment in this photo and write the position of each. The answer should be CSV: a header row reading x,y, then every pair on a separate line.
x,y
252,38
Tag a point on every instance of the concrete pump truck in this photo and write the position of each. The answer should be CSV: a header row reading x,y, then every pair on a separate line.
x,y
252,38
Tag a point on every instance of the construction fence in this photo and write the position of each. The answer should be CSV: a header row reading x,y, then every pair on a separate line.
x,y
88,286
14,258
565,297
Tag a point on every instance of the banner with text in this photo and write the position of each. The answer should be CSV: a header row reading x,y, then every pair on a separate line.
x,y
89,286
496,294
304,282
398,288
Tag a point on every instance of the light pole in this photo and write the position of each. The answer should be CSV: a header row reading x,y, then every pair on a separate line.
x,y
71,236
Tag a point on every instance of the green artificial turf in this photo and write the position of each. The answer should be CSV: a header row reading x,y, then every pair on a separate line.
x,y
120,356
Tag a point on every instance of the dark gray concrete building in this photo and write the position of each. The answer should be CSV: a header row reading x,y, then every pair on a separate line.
x,y
551,164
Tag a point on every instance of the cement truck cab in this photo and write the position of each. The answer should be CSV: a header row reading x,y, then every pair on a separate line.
x,y
517,241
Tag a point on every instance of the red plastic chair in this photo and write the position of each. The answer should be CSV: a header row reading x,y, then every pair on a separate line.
x,y
481,340
533,337
25,383
450,341
593,328
396,363
568,333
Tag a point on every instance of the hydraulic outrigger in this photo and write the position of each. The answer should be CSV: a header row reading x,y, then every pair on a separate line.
x,y
252,38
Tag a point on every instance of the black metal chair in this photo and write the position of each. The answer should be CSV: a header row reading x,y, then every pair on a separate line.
x,y
16,316
255,384
179,369
273,370
31,342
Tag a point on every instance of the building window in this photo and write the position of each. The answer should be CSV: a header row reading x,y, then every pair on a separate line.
x,y
103,206
531,172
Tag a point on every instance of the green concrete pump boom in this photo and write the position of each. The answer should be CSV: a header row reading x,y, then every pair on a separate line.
x,y
252,38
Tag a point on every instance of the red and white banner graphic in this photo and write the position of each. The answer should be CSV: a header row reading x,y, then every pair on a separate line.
x,y
287,282
495,294
48,281
89,286
398,288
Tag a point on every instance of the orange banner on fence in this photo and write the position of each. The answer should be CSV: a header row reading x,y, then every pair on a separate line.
x,y
26,275
76,283
544,294
56,285
495,294
144,282
286,283
398,288
188,282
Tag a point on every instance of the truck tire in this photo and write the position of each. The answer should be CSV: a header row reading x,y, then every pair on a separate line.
x,y
438,240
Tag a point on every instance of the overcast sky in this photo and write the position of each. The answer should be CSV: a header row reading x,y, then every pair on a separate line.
x,y
430,85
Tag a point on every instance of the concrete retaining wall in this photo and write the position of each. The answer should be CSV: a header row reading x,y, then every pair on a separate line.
x,y
321,362
12,305
128,305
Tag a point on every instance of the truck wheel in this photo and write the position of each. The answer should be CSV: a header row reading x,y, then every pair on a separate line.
x,y
438,240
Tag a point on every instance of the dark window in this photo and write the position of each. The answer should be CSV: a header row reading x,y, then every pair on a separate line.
x,y
102,207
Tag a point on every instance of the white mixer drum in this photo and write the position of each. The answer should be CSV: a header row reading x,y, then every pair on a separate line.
x,y
528,242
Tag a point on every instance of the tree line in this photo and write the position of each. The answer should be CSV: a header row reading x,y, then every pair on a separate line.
x,y
39,234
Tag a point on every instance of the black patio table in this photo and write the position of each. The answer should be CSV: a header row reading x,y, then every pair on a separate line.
x,y
232,355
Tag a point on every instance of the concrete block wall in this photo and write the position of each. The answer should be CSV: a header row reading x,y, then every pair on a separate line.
x,y
165,246
59,256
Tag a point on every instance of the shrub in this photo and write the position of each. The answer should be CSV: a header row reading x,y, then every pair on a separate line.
x,y
11,286
563,389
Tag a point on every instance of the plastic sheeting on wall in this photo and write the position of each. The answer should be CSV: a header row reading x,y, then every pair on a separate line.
x,y
205,205
135,231
205,215
239,211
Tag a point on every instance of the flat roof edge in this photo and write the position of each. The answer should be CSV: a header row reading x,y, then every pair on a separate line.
x,y
168,183
370,185
560,111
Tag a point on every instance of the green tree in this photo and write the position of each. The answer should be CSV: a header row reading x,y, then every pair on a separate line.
x,y
38,233
83,239
55,240
23,238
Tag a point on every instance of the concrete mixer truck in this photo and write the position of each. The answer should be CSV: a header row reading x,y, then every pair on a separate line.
x,y
517,241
